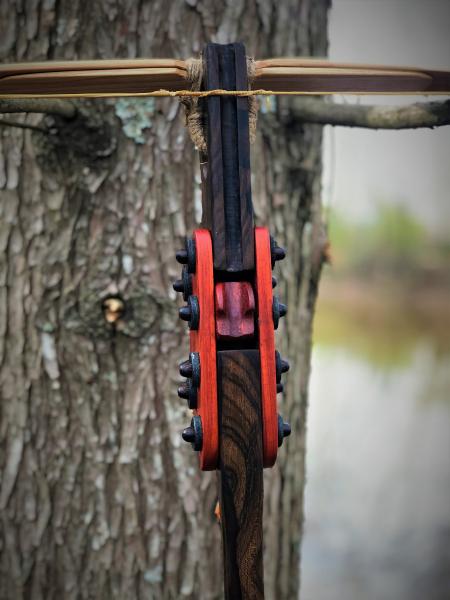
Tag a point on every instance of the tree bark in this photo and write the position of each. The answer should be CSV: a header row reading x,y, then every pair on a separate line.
x,y
99,498
63,108
410,116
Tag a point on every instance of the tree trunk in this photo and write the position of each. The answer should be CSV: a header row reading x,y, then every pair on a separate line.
x,y
99,497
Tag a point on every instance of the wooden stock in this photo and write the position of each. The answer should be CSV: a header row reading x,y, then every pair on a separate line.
x,y
228,208
241,473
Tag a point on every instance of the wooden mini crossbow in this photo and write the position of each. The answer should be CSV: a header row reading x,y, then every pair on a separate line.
x,y
233,373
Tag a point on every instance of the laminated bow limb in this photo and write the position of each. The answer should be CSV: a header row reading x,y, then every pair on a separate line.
x,y
169,77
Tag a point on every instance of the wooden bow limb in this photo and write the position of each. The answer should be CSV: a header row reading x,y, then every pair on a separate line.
x,y
164,76
334,75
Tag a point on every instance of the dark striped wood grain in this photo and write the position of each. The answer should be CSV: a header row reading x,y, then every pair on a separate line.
x,y
229,191
243,148
241,472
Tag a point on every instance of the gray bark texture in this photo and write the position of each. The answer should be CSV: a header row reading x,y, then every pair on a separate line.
x,y
99,497
63,108
411,116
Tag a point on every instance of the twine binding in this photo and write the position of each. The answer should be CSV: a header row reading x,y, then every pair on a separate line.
x,y
194,116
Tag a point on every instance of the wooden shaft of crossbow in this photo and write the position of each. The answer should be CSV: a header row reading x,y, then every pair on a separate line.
x,y
136,77
228,213
241,473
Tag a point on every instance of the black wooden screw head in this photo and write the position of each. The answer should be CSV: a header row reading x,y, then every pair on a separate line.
x,y
178,285
184,285
284,430
282,366
191,312
194,434
181,256
185,313
188,435
186,369
189,393
187,255
285,366
276,251
191,368
183,391
279,253
278,310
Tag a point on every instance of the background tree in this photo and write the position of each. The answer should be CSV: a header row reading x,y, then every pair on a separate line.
x,y
98,497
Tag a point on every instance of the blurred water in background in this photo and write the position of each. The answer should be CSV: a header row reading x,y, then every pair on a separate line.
x,y
377,503
377,500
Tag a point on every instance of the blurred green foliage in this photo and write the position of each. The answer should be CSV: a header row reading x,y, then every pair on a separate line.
x,y
395,241
387,289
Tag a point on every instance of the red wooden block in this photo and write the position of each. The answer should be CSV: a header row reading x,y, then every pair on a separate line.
x,y
266,345
203,341
235,310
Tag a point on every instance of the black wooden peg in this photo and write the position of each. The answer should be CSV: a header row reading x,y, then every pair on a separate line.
x,y
191,312
188,435
278,310
194,434
277,252
185,313
188,392
284,430
181,256
186,369
178,285
282,366
187,255
183,391
184,285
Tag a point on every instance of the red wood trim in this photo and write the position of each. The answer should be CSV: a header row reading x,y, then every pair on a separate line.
x,y
266,345
203,341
